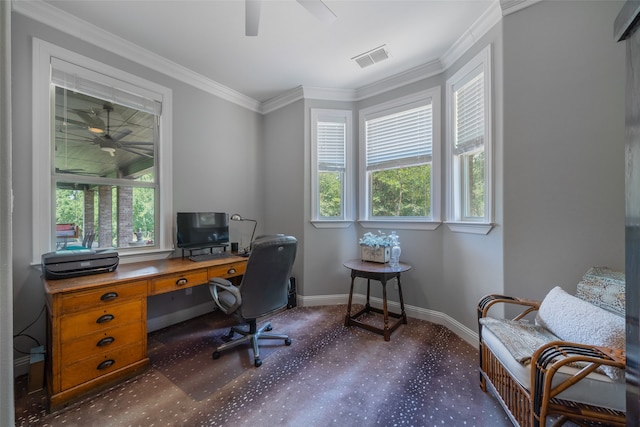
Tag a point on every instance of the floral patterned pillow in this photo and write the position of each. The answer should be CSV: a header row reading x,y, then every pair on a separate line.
x,y
604,288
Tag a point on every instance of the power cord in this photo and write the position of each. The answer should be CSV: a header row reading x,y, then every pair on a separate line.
x,y
22,333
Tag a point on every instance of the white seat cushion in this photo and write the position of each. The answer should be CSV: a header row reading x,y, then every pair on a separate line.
x,y
596,389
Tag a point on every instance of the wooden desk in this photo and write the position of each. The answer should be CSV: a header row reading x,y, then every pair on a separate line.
x,y
381,273
97,324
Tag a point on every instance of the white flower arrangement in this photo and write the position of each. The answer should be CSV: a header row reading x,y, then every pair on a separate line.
x,y
376,240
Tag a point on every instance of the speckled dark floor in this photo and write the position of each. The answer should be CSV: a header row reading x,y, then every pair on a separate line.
x,y
329,376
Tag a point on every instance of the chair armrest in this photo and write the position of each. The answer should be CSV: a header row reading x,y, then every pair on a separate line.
x,y
490,300
220,283
550,357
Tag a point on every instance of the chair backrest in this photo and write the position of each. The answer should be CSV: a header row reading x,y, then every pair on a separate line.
x,y
87,241
265,283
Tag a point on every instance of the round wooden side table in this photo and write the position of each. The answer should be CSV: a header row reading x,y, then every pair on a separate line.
x,y
381,273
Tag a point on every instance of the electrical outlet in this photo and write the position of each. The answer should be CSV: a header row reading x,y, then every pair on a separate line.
x,y
188,291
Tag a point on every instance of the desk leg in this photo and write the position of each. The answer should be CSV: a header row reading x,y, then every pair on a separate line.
x,y
386,331
347,319
404,315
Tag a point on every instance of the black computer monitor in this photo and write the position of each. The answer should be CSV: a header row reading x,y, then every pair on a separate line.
x,y
202,229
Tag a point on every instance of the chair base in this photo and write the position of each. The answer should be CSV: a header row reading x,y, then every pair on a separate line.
x,y
252,335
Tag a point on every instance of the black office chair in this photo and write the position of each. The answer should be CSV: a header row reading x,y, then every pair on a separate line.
x,y
263,291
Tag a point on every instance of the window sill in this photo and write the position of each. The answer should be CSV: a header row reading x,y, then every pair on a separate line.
x,y
128,256
317,223
401,224
470,227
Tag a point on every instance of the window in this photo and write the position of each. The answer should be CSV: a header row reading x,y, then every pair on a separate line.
x,y
100,140
331,179
469,146
399,162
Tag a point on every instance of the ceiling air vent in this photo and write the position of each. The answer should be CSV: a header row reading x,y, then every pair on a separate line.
x,y
372,57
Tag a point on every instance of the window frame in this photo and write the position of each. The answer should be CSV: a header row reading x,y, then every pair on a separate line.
x,y
346,217
43,184
456,220
432,95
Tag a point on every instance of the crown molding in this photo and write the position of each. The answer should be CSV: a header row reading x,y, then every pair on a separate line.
x,y
46,14
306,92
487,20
412,75
329,94
350,95
282,100
511,6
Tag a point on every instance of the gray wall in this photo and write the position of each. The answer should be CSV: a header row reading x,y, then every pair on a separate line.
x,y
563,145
282,184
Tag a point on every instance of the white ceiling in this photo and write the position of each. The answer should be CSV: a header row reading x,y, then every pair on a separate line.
x,y
293,48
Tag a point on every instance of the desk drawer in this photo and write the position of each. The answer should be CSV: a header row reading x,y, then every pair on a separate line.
x,y
101,342
229,270
93,367
102,297
178,281
97,319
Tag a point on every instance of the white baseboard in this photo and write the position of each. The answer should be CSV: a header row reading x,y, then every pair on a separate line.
x,y
21,364
432,316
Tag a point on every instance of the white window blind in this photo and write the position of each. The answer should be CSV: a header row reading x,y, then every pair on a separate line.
x,y
469,115
400,139
331,146
82,80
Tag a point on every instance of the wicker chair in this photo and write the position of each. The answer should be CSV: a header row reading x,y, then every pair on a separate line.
x,y
556,369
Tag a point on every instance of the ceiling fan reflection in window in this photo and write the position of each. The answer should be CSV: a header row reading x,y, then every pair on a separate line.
x,y
316,7
110,142
76,171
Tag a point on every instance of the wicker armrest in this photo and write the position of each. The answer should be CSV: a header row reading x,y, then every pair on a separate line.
x,y
490,300
549,358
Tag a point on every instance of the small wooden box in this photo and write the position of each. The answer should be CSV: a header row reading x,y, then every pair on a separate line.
x,y
380,254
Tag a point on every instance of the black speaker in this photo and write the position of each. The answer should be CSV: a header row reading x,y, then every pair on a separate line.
x,y
292,300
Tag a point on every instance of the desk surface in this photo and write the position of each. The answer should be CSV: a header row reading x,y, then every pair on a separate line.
x,y
137,270
375,267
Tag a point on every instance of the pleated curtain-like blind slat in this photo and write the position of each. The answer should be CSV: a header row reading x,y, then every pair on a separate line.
x,y
469,117
331,146
400,139
78,79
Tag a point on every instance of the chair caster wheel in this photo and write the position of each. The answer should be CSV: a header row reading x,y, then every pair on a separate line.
x,y
258,363
216,355
269,328
287,341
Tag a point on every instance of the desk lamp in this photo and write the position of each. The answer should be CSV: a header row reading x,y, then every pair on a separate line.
x,y
237,217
